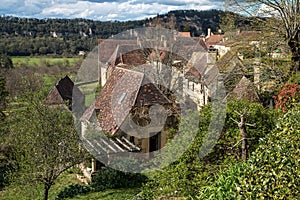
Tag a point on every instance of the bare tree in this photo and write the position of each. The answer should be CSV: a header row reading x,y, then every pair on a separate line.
x,y
283,16
242,126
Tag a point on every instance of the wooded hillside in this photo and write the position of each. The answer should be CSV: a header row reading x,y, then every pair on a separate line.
x,y
29,36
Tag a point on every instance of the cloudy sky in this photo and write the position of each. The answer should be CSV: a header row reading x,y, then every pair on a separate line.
x,y
101,9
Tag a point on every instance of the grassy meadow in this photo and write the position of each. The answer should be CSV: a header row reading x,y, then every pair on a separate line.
x,y
36,61
14,192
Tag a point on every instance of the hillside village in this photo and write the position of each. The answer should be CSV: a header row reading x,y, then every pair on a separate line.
x,y
124,68
133,94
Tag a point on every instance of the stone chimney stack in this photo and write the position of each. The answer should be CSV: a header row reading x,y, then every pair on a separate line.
x,y
208,32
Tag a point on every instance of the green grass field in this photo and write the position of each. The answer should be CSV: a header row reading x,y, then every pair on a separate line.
x,y
36,192
112,194
36,61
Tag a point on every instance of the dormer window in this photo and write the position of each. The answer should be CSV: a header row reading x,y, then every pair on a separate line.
x,y
122,97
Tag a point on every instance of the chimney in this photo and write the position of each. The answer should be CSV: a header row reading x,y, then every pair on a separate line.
x,y
208,32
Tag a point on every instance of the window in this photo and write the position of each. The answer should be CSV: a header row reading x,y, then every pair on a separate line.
x,y
122,97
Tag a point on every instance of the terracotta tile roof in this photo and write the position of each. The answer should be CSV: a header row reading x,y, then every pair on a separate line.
x,y
213,40
104,101
133,58
124,90
201,42
149,95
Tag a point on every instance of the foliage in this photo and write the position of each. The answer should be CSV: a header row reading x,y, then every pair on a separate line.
x,y
111,194
72,191
5,62
225,184
3,98
42,61
15,191
45,142
272,172
188,173
108,178
30,37
5,150
263,118
295,78
288,97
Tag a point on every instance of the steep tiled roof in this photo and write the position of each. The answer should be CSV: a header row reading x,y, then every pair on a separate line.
x,y
196,66
201,42
54,97
149,94
107,47
124,90
64,91
244,90
134,58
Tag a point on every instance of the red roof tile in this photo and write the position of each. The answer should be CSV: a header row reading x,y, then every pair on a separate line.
x,y
213,40
124,90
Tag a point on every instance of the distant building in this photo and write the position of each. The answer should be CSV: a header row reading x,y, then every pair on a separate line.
x,y
63,93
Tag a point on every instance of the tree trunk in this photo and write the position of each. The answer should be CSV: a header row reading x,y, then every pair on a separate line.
x,y
242,127
244,143
294,44
46,191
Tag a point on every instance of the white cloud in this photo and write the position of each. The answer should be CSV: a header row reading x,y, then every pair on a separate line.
x,y
101,9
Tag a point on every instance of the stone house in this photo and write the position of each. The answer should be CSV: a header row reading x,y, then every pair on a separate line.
x,y
135,106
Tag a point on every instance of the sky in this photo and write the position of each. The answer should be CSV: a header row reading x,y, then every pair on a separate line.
x,y
103,10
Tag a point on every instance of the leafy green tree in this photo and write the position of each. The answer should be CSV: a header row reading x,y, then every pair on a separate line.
x,y
45,143
271,172
188,173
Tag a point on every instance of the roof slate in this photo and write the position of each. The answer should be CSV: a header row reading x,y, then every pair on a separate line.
x,y
124,90
244,90
64,91
213,40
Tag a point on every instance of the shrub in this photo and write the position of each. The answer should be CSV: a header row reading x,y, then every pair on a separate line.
x,y
188,173
72,191
108,178
288,97
272,172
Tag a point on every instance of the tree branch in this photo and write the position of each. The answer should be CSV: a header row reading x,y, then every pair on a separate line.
x,y
239,142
